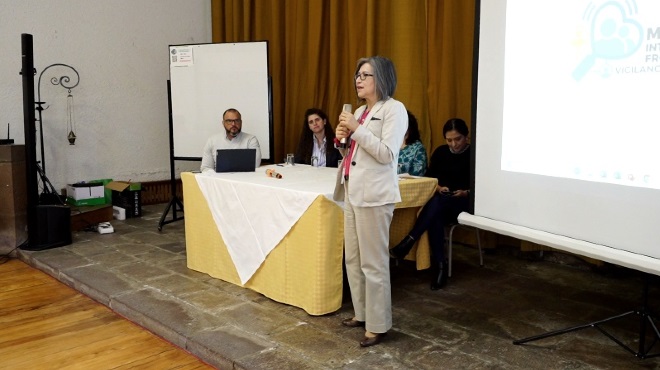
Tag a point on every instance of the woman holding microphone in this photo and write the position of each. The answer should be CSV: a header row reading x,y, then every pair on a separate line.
x,y
367,182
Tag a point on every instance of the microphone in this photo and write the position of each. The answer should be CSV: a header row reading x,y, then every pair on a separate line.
x,y
343,143
272,173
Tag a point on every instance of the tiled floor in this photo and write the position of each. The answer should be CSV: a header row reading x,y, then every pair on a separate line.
x,y
141,273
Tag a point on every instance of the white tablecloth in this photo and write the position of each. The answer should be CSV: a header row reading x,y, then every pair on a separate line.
x,y
254,212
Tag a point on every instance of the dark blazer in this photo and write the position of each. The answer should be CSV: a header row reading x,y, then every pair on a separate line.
x,y
332,156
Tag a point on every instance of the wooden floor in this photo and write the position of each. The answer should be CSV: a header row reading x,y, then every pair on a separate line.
x,y
44,324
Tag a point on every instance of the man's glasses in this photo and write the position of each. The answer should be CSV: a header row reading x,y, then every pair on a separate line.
x,y
233,121
363,76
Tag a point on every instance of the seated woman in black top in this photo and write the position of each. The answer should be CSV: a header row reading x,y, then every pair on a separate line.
x,y
450,164
317,140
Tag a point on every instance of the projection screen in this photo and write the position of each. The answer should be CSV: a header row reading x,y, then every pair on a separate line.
x,y
567,126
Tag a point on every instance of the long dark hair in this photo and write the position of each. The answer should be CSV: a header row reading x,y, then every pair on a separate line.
x,y
305,145
413,129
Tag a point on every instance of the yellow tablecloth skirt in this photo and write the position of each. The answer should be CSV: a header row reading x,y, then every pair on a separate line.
x,y
305,269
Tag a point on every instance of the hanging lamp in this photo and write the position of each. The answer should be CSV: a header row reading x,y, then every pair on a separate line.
x,y
71,122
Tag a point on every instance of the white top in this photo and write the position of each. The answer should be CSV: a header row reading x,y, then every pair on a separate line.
x,y
319,152
220,141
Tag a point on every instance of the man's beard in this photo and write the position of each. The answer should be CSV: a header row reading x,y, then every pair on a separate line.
x,y
232,134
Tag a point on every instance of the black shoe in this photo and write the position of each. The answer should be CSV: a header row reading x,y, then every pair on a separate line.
x,y
352,323
372,341
401,250
439,274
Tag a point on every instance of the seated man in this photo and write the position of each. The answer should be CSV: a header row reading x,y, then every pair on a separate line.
x,y
232,138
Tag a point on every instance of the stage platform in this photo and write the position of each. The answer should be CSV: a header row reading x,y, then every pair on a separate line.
x,y
141,274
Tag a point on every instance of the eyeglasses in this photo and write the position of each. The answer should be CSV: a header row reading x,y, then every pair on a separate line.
x,y
363,75
233,121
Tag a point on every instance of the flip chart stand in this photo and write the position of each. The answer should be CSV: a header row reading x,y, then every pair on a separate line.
x,y
175,204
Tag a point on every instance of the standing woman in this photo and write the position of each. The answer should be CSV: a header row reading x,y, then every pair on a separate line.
x,y
368,184
317,139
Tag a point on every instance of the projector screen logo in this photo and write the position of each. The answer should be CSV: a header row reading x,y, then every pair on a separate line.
x,y
614,34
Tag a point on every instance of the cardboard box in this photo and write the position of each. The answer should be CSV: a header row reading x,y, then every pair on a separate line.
x,y
85,194
127,195
108,192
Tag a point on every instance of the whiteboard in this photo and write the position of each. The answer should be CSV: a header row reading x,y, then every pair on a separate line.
x,y
206,80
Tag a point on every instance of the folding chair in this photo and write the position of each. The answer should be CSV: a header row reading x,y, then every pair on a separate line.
x,y
450,245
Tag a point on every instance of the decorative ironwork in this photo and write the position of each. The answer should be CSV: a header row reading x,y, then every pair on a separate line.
x,y
66,82
63,81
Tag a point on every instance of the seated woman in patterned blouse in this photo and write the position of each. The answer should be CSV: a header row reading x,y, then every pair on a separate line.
x,y
412,156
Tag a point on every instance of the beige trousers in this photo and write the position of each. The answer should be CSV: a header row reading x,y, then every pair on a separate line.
x,y
366,243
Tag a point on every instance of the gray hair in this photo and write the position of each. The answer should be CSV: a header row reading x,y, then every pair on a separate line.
x,y
384,75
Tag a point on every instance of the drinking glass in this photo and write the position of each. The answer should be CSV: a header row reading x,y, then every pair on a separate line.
x,y
289,159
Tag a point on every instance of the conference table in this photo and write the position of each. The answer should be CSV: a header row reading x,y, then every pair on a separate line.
x,y
283,237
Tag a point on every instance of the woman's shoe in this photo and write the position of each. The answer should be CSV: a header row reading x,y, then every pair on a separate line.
x,y
401,250
352,323
439,274
372,341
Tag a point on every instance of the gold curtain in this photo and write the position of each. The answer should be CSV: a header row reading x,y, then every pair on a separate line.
x,y
313,46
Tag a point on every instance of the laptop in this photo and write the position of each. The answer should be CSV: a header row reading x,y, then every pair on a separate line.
x,y
235,160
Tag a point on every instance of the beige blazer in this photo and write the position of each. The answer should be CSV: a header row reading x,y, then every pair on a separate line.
x,y
373,177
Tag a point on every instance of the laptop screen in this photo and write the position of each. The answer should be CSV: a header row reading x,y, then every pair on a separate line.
x,y
235,160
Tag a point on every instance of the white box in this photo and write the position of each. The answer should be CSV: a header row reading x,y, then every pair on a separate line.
x,y
119,213
86,194
105,228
